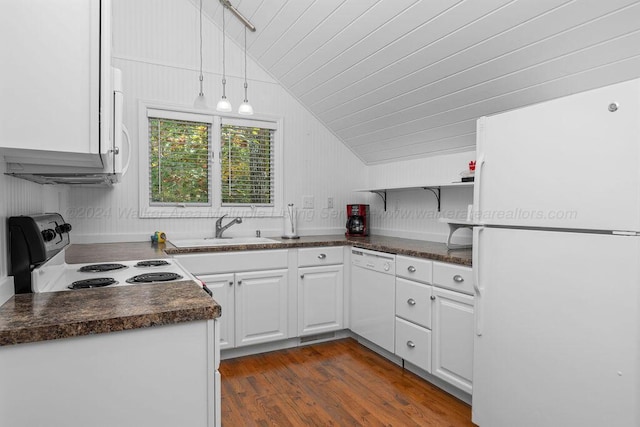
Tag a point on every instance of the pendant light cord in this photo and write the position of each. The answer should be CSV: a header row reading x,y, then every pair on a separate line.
x,y
201,76
245,64
224,73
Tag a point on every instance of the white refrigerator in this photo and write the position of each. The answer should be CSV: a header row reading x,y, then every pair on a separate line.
x,y
557,263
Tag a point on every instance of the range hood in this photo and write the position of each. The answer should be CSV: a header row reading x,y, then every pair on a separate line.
x,y
77,170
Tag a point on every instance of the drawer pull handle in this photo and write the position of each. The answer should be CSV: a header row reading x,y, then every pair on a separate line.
x,y
411,344
230,283
239,282
322,256
433,298
302,276
458,278
411,301
411,269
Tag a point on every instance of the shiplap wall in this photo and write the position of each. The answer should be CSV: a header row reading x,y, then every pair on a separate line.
x,y
413,213
155,44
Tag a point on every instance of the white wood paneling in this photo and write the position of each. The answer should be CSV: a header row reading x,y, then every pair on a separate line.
x,y
413,213
146,37
388,77
377,16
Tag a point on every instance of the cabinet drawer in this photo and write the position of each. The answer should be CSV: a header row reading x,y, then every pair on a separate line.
x,y
454,277
310,257
230,262
413,302
414,268
413,344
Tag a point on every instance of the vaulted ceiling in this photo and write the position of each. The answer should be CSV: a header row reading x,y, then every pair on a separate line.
x,y
399,79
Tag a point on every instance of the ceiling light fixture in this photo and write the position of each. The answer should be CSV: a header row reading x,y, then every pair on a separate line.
x,y
201,101
224,105
245,108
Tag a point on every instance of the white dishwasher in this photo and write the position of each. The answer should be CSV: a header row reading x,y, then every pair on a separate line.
x,y
373,296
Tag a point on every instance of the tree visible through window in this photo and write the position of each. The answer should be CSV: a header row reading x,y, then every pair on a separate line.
x,y
247,172
178,161
204,165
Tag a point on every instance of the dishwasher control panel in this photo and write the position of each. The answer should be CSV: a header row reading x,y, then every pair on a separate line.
x,y
373,260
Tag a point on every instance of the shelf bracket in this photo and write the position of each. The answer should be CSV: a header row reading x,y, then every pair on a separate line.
x,y
452,229
436,192
383,196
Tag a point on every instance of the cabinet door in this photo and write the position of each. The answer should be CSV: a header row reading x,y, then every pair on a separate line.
x,y
51,81
452,338
320,302
261,306
222,288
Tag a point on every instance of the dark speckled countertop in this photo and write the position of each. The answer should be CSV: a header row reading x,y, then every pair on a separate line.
x,y
53,315
395,245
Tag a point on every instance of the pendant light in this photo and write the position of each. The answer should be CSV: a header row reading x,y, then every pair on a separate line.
x,y
201,101
224,105
245,108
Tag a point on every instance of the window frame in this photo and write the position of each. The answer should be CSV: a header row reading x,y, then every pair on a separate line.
x,y
215,209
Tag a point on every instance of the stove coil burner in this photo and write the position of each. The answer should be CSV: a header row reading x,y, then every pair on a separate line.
x,y
154,277
97,282
152,263
101,268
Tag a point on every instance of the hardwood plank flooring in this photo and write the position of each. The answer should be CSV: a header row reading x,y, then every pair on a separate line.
x,y
339,383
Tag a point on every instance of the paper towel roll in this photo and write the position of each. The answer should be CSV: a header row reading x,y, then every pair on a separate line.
x,y
290,222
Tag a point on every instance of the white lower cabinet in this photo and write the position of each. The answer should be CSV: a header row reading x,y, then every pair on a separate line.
x,y
261,306
163,376
434,304
320,299
223,290
255,304
434,325
413,343
452,339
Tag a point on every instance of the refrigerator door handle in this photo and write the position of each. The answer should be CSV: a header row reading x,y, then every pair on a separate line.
x,y
479,290
477,197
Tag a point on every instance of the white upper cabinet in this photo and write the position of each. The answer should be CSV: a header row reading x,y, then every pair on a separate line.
x,y
56,79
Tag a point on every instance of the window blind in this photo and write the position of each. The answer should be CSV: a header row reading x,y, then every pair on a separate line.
x,y
179,162
247,159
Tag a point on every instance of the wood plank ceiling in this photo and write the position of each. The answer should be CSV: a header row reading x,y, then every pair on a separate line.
x,y
399,79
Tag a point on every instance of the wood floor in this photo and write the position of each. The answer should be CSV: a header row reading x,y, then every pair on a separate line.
x,y
340,383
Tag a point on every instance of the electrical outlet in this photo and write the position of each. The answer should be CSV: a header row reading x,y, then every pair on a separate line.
x,y
330,203
307,202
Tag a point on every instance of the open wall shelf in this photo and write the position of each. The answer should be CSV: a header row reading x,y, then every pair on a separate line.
x,y
436,189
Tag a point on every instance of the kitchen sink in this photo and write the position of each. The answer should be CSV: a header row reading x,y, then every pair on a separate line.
x,y
228,241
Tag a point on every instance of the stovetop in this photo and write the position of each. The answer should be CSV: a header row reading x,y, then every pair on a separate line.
x,y
56,275
37,244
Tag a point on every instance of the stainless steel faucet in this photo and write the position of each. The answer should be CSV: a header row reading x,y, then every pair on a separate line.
x,y
220,229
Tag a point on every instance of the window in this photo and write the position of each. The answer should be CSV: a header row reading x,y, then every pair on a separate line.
x,y
178,162
195,164
247,163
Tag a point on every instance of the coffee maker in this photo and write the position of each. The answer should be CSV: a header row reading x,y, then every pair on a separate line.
x,y
357,220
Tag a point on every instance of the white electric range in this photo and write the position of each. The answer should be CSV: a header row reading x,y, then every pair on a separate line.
x,y
37,246
56,275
